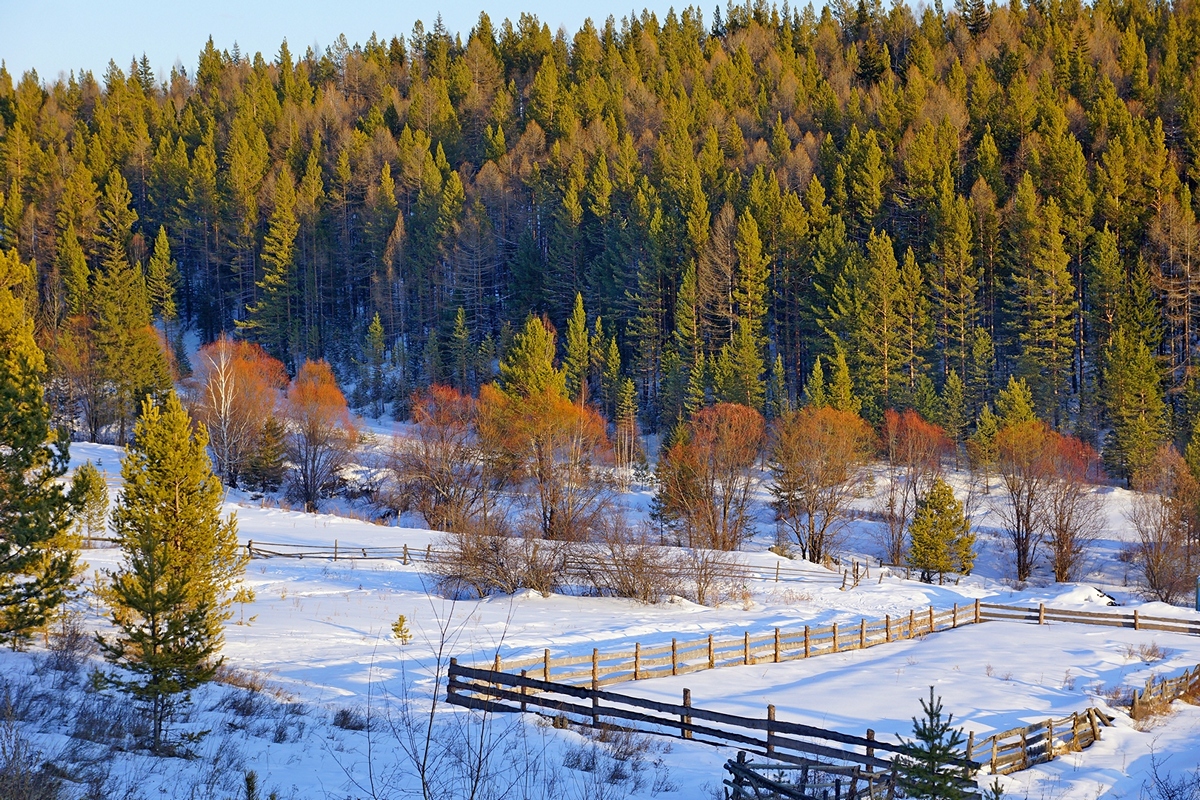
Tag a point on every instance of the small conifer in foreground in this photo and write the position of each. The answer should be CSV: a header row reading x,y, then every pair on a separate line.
x,y
928,770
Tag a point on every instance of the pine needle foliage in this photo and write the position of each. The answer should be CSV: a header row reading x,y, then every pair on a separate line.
x,y
928,770
171,596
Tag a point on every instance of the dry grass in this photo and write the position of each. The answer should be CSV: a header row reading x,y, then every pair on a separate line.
x,y
1148,653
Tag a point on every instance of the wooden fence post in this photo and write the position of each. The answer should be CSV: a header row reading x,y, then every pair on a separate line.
x,y
712,661
777,645
970,744
686,719
977,618
637,660
887,627
674,657
1024,749
428,552
595,668
1094,723
806,641
1137,626
450,678
870,749
777,572
862,633
405,560
496,664
931,629
524,690
1049,740
335,554
912,618
994,749
835,641
746,647
954,617
770,729
1041,613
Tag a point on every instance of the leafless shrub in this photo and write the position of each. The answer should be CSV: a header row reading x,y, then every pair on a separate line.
x,y
350,719
70,644
480,565
24,775
713,575
1164,516
626,564
1171,785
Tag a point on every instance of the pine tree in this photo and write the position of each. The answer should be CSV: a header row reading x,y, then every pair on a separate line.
x,y
90,493
578,356
953,412
940,535
527,367
170,597
72,265
928,770
1133,400
161,279
1014,403
375,349
814,388
841,391
36,562
981,446
272,321
778,402
461,351
266,466
738,377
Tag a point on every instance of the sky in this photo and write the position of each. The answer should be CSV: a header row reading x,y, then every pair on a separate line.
x,y
57,36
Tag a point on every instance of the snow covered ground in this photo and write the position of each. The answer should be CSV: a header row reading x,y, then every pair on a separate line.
x,y
318,638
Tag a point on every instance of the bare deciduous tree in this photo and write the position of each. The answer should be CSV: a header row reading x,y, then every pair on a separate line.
x,y
818,463
914,451
1025,460
1071,510
321,434
1164,516
706,479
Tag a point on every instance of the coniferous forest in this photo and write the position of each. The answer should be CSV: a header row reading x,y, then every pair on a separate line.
x,y
746,207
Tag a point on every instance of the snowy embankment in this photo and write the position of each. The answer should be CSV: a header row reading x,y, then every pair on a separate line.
x,y
318,635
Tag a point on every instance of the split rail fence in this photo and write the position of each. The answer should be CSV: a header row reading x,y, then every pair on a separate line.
x,y
493,691
1165,690
681,658
1020,748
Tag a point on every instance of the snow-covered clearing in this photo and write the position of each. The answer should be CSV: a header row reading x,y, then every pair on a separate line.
x,y
318,633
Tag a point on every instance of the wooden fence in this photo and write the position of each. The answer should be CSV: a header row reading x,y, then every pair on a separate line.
x,y
680,658
1020,748
1041,615
787,741
1164,691
813,780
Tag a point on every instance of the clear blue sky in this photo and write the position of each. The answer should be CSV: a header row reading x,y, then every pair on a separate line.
x,y
56,36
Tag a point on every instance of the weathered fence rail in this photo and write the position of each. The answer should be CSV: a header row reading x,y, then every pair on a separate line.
x,y
1020,748
1042,614
1164,690
809,780
501,691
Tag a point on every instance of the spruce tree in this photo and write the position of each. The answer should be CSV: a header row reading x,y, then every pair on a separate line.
x,y
940,536
952,412
1014,403
778,402
927,771
36,560
461,351
1133,399
170,597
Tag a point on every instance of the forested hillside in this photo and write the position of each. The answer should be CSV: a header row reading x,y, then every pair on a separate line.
x,y
943,198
